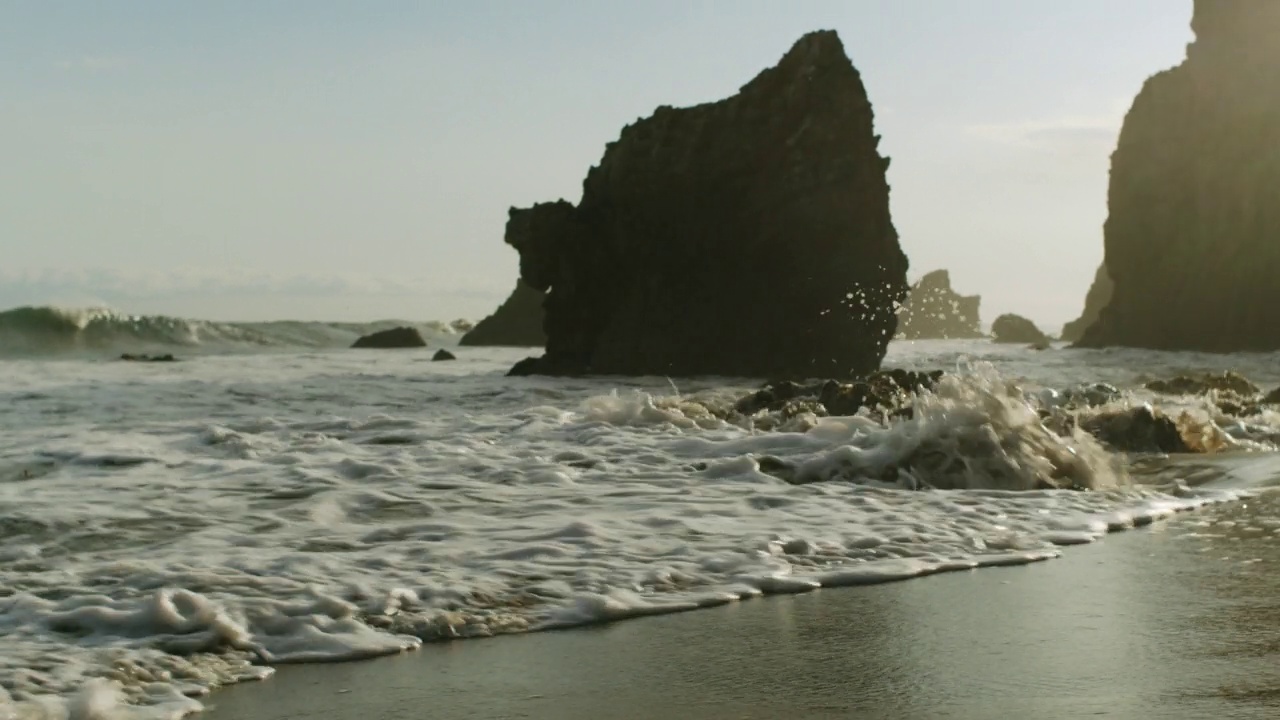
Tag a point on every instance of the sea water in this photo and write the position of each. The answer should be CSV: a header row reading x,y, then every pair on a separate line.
x,y
169,528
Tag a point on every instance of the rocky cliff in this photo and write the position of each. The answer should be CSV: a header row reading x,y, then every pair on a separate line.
x,y
935,311
1098,297
517,322
749,236
1193,235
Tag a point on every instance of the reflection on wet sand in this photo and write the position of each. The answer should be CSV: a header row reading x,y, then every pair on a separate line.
x,y
1181,620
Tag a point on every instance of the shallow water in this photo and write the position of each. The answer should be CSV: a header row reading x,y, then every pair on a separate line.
x,y
176,527
1179,621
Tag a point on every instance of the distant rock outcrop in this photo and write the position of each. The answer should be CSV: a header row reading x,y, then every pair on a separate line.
x,y
1098,297
442,355
401,337
1010,328
934,311
746,237
1193,236
517,322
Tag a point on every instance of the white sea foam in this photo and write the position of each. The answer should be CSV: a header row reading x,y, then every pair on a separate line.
x,y
168,529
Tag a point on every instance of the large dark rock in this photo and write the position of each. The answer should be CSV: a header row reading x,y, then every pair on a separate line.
x,y
934,311
1010,328
1098,297
401,337
1192,236
517,322
747,237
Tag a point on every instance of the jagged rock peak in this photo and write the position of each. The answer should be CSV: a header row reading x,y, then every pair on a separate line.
x,y
695,215
936,311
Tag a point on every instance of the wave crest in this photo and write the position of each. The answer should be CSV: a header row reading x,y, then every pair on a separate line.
x,y
51,329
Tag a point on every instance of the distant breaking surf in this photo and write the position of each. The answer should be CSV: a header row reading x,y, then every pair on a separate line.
x,y
46,330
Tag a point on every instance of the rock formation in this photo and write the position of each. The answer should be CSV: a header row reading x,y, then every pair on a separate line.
x,y
517,322
1011,328
1191,240
934,310
749,237
1097,298
400,337
442,355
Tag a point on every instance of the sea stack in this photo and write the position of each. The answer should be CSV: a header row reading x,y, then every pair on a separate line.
x,y
1193,235
935,311
516,323
746,237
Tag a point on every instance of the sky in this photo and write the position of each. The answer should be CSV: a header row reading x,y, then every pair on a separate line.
x,y
326,160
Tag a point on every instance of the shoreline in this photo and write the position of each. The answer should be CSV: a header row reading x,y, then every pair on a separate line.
x,y
1167,621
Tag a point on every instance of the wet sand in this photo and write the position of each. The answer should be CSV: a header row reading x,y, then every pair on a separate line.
x,y
1180,620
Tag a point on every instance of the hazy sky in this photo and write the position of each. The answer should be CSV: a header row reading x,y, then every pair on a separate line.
x,y
342,160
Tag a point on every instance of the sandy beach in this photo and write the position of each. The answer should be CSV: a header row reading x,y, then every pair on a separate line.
x,y
1180,620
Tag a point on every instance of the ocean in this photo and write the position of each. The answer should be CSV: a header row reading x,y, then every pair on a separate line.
x,y
275,498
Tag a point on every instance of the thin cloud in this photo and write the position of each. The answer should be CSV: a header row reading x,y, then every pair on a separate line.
x,y
95,64
1070,134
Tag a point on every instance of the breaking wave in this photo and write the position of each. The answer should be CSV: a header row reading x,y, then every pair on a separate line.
x,y
56,330
248,515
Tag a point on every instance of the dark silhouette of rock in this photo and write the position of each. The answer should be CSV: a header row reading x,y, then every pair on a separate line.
x,y
934,311
401,337
443,354
149,358
1191,240
517,322
1010,328
748,237
1098,297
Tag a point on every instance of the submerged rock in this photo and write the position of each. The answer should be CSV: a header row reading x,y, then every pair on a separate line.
x,y
1226,382
148,358
1191,236
882,390
1097,298
934,311
442,355
1137,430
516,323
1010,328
401,337
747,237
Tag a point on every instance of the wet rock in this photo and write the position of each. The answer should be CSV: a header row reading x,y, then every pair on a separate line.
x,y
884,391
780,469
1226,382
1093,394
934,311
1191,235
671,264
516,323
148,358
401,337
443,354
1097,298
1010,328
1137,430
1272,398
